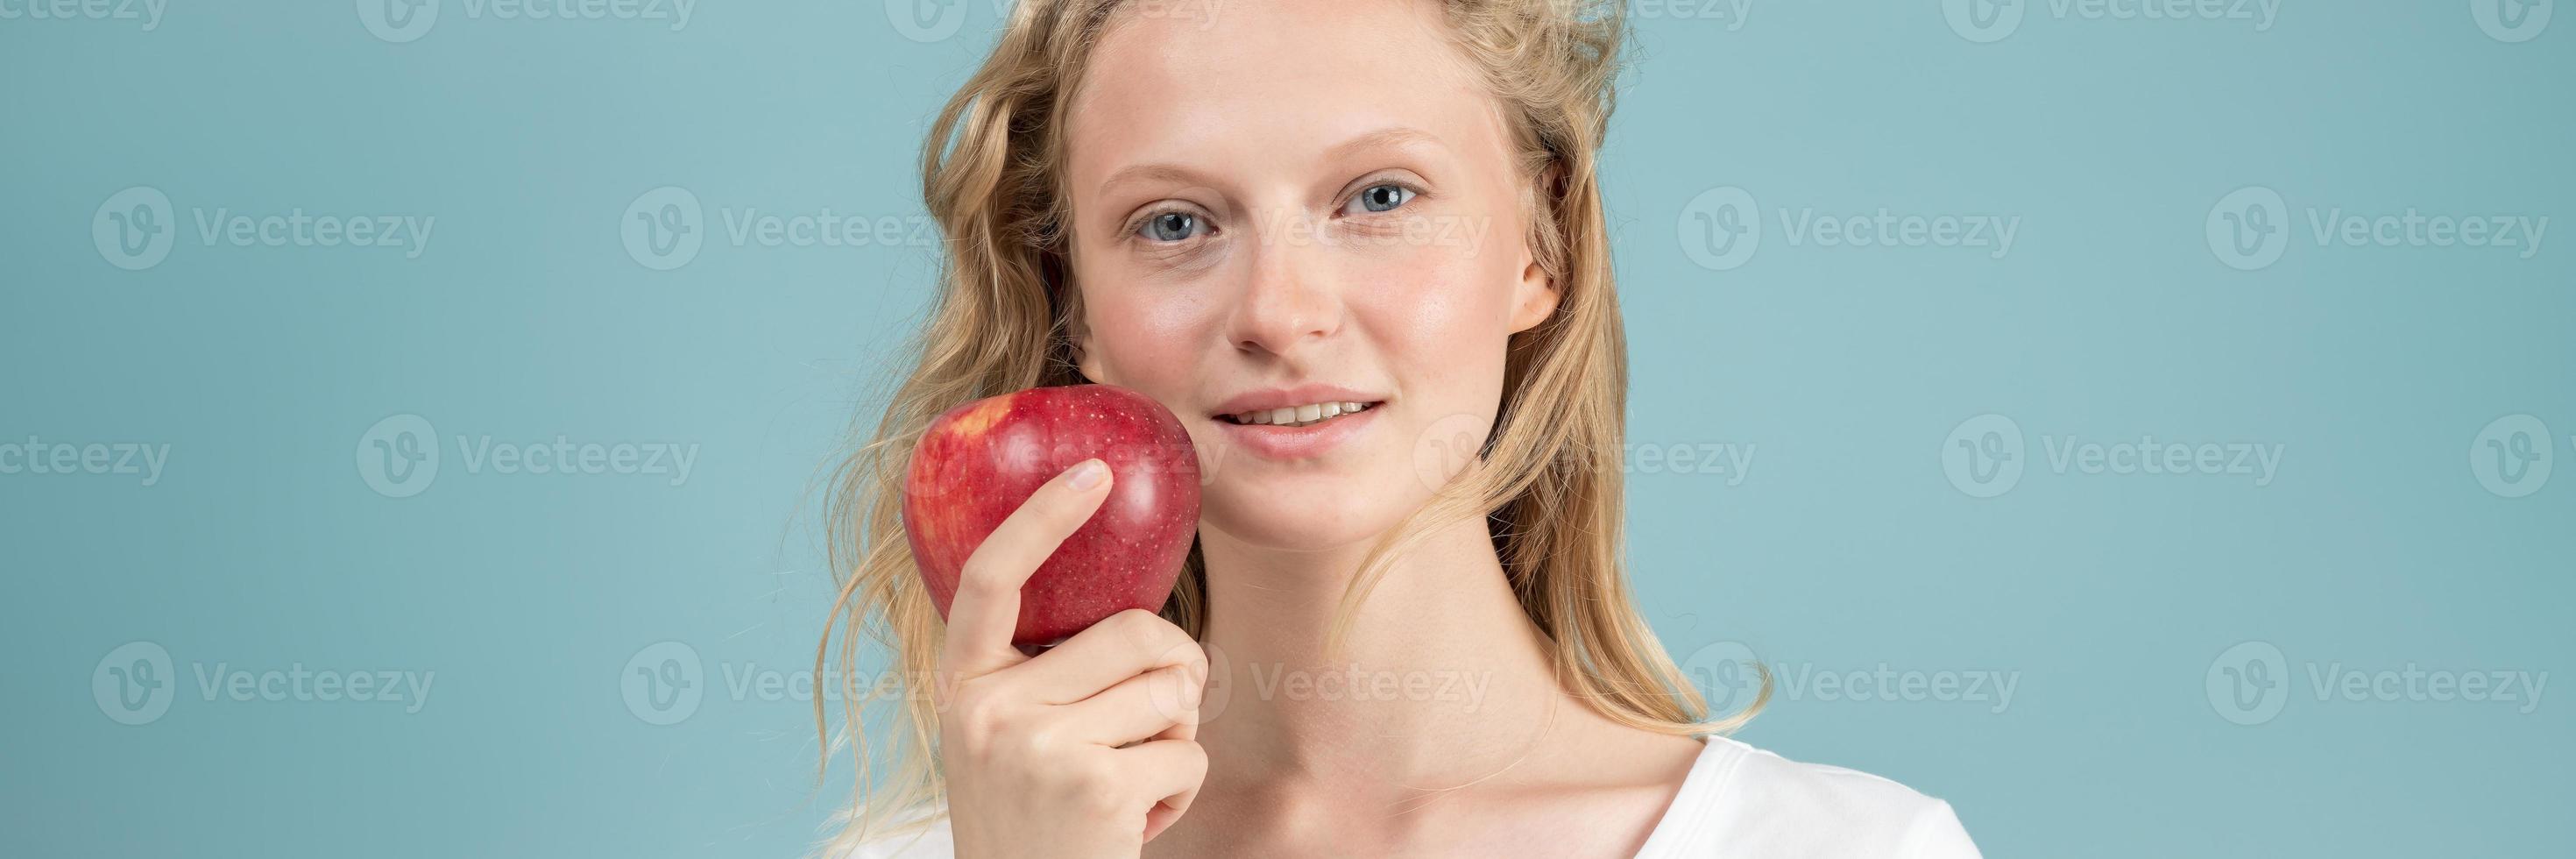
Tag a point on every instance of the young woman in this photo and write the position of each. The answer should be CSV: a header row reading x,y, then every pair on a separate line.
x,y
1358,247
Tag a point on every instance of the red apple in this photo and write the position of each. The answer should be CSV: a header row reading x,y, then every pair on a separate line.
x,y
978,462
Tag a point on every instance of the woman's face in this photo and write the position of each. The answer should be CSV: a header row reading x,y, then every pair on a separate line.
x,y
1283,208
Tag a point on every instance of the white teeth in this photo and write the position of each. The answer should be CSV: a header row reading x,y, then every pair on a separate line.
x,y
1299,415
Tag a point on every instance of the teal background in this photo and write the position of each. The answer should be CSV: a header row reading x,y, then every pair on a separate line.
x,y
2109,598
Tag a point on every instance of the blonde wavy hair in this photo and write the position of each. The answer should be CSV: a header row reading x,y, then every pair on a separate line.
x,y
1548,479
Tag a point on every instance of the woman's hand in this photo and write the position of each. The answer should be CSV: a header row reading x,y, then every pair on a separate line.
x,y
1086,750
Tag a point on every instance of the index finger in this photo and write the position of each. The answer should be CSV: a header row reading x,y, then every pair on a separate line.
x,y
986,610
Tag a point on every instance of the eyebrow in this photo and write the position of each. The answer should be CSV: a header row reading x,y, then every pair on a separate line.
x,y
1384,138
1389,137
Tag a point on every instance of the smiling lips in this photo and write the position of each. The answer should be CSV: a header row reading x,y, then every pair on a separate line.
x,y
1297,416
1302,422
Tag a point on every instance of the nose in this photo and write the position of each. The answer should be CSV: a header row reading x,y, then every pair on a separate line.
x,y
1287,299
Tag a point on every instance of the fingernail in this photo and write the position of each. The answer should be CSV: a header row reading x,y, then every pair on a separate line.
x,y
1088,474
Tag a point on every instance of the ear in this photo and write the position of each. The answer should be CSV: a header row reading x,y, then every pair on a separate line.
x,y
1534,298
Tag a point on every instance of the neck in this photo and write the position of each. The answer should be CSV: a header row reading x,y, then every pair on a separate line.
x,y
1441,678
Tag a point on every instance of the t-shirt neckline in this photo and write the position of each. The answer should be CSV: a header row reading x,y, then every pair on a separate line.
x,y
1682,823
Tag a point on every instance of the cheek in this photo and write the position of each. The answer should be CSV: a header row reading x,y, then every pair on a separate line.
x,y
1445,310
1139,332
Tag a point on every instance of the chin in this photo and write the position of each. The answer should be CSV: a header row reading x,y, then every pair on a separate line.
x,y
1310,512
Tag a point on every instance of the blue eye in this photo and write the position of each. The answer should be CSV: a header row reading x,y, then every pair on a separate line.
x,y
1379,198
1169,227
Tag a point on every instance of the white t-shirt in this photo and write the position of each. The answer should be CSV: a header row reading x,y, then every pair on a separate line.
x,y
1738,801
